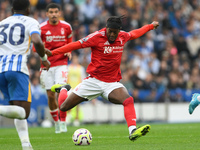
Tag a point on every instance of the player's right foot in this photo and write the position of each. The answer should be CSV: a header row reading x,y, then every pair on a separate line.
x,y
57,126
58,87
194,102
138,132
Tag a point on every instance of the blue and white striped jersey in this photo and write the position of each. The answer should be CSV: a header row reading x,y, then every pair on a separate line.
x,y
15,32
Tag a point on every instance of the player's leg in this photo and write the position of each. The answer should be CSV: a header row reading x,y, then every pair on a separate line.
x,y
87,90
119,95
60,77
53,108
47,79
61,98
71,101
22,130
66,102
19,93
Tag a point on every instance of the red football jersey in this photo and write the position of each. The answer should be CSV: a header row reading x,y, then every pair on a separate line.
x,y
105,57
54,36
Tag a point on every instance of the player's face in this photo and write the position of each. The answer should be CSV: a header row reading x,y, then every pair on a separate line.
x,y
53,14
112,34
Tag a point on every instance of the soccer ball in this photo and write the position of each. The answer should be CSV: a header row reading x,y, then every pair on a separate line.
x,y
82,137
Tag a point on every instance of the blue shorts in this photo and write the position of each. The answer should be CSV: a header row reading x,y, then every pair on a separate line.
x,y
15,86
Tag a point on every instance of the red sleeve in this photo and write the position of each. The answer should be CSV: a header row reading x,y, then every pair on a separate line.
x,y
67,48
139,32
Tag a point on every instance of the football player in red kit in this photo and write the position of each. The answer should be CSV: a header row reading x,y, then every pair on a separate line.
x,y
104,70
55,33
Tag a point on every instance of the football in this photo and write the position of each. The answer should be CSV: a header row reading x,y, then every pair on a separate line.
x,y
82,137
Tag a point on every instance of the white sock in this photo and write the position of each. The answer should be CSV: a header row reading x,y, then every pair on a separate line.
x,y
13,112
131,129
22,130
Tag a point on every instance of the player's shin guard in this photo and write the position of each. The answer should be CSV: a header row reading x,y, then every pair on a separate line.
x,y
129,112
62,96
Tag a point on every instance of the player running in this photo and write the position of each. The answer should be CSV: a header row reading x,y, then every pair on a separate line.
x,y
16,33
104,72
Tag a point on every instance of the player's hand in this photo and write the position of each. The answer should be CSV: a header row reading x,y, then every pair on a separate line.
x,y
46,64
48,52
155,24
69,55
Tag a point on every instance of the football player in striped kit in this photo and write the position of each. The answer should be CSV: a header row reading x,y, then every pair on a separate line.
x,y
16,33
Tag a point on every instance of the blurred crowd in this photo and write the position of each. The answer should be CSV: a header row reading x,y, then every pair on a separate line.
x,y
163,65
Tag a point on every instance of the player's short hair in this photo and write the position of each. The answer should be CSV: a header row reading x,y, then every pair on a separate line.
x,y
114,22
20,5
52,5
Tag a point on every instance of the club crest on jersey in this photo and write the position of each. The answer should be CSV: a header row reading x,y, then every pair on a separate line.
x,y
62,31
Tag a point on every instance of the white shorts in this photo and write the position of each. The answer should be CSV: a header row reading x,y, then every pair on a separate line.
x,y
54,75
91,88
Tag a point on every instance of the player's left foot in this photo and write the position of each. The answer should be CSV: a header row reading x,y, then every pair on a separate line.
x,y
63,126
138,132
58,87
194,102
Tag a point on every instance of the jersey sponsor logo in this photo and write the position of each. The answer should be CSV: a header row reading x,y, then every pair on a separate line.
x,y
114,49
55,38
48,33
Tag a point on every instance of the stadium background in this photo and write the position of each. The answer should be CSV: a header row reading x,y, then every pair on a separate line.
x,y
160,69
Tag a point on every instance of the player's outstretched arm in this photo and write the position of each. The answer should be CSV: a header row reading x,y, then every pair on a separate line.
x,y
37,42
65,49
141,31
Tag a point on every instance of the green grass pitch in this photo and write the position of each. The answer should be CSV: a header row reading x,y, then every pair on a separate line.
x,y
109,137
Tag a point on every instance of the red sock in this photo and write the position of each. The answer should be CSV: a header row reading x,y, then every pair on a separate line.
x,y
61,98
54,114
129,111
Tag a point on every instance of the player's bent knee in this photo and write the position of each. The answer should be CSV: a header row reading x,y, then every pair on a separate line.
x,y
128,101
